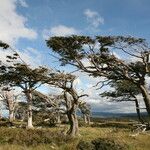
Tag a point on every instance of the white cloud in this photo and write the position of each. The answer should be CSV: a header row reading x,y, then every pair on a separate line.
x,y
77,82
13,25
23,3
59,30
29,55
90,14
116,55
98,103
93,18
3,54
104,105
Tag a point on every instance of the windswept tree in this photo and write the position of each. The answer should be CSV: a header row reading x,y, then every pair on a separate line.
x,y
18,73
48,106
71,98
100,53
28,80
125,91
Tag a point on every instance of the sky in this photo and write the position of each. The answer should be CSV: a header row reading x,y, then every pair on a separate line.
x,y
26,24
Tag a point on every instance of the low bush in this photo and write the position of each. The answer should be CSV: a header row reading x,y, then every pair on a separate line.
x,y
83,145
100,144
31,137
40,117
83,124
106,144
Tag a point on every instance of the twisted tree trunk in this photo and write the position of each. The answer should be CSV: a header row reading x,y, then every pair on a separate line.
x,y
146,98
73,121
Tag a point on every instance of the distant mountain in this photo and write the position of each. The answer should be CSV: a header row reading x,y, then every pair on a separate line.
x,y
114,115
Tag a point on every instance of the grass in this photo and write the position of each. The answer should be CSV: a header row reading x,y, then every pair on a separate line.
x,y
53,139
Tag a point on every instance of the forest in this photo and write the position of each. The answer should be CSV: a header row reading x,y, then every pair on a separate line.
x,y
63,120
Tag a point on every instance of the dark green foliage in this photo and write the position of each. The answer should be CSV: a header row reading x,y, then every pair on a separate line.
x,y
73,47
22,74
4,45
112,40
124,91
69,47
72,50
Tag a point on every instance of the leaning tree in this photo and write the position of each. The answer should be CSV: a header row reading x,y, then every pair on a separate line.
x,y
27,79
97,56
9,99
17,73
124,91
65,82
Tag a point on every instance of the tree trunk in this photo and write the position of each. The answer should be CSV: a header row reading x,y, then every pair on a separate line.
x,y
29,100
73,121
138,111
0,110
71,113
0,115
146,97
58,118
11,115
85,118
88,119
10,104
76,124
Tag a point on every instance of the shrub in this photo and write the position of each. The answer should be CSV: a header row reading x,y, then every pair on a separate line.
x,y
4,119
106,144
100,144
85,146
82,124
31,137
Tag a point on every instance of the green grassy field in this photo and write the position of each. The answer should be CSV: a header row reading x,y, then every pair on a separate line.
x,y
53,138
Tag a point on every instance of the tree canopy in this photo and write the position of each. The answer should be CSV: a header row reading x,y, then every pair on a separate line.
x,y
100,55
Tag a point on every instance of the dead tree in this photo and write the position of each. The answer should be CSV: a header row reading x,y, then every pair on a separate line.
x,y
9,100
